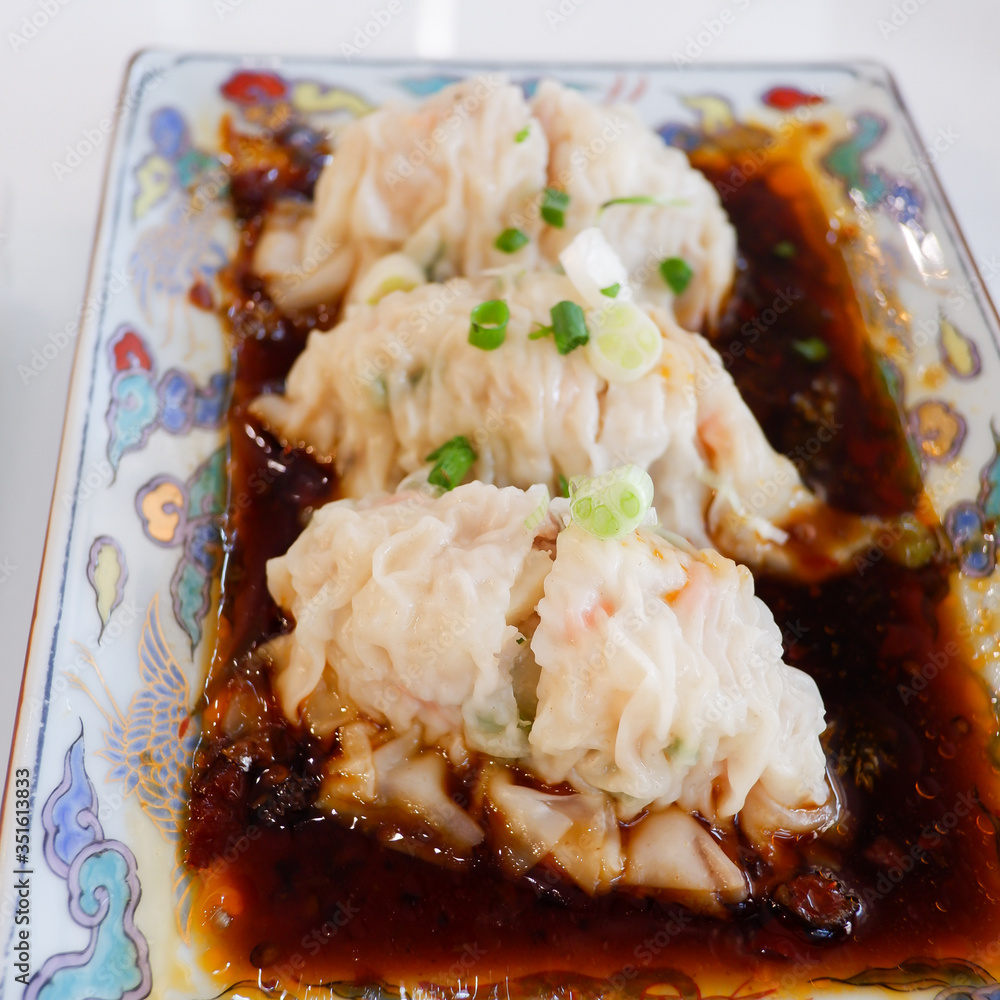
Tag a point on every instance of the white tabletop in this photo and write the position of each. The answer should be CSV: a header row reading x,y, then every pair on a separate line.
x,y
66,76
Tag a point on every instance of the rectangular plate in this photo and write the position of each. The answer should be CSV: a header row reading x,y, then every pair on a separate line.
x,y
97,903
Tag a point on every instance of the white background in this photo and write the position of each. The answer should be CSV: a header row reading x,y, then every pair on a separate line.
x,y
66,79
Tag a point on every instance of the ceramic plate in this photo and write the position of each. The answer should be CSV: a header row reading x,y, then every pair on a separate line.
x,y
94,902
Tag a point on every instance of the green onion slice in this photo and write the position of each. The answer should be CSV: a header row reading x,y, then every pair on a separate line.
x,y
489,324
554,205
624,342
612,505
452,461
661,201
612,290
563,486
813,349
676,273
511,240
523,134
392,273
568,326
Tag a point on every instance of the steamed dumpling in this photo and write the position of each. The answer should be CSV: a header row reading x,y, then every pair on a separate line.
x,y
662,681
626,667
440,182
392,382
407,602
597,154
646,677
431,188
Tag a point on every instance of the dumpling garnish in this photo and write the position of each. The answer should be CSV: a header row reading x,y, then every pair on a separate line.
x,y
476,180
583,671
575,383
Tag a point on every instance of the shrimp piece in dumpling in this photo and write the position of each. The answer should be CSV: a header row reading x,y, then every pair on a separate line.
x,y
597,154
439,182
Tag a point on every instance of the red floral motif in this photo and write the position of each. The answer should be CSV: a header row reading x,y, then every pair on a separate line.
x,y
787,98
130,352
248,87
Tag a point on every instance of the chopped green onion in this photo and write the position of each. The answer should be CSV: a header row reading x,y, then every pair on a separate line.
x,y
563,486
786,249
915,544
489,324
611,505
554,205
523,134
511,240
676,273
568,326
813,349
520,640
624,342
612,290
643,199
452,461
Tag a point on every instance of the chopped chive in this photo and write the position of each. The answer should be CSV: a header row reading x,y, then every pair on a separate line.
x,y
554,205
520,640
563,486
542,331
813,349
452,461
676,273
489,324
523,134
643,199
612,290
786,249
511,240
568,326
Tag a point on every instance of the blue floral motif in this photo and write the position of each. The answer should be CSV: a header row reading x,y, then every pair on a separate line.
x,y
104,891
140,403
974,544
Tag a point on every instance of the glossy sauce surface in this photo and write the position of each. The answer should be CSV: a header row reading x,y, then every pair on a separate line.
x,y
294,894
